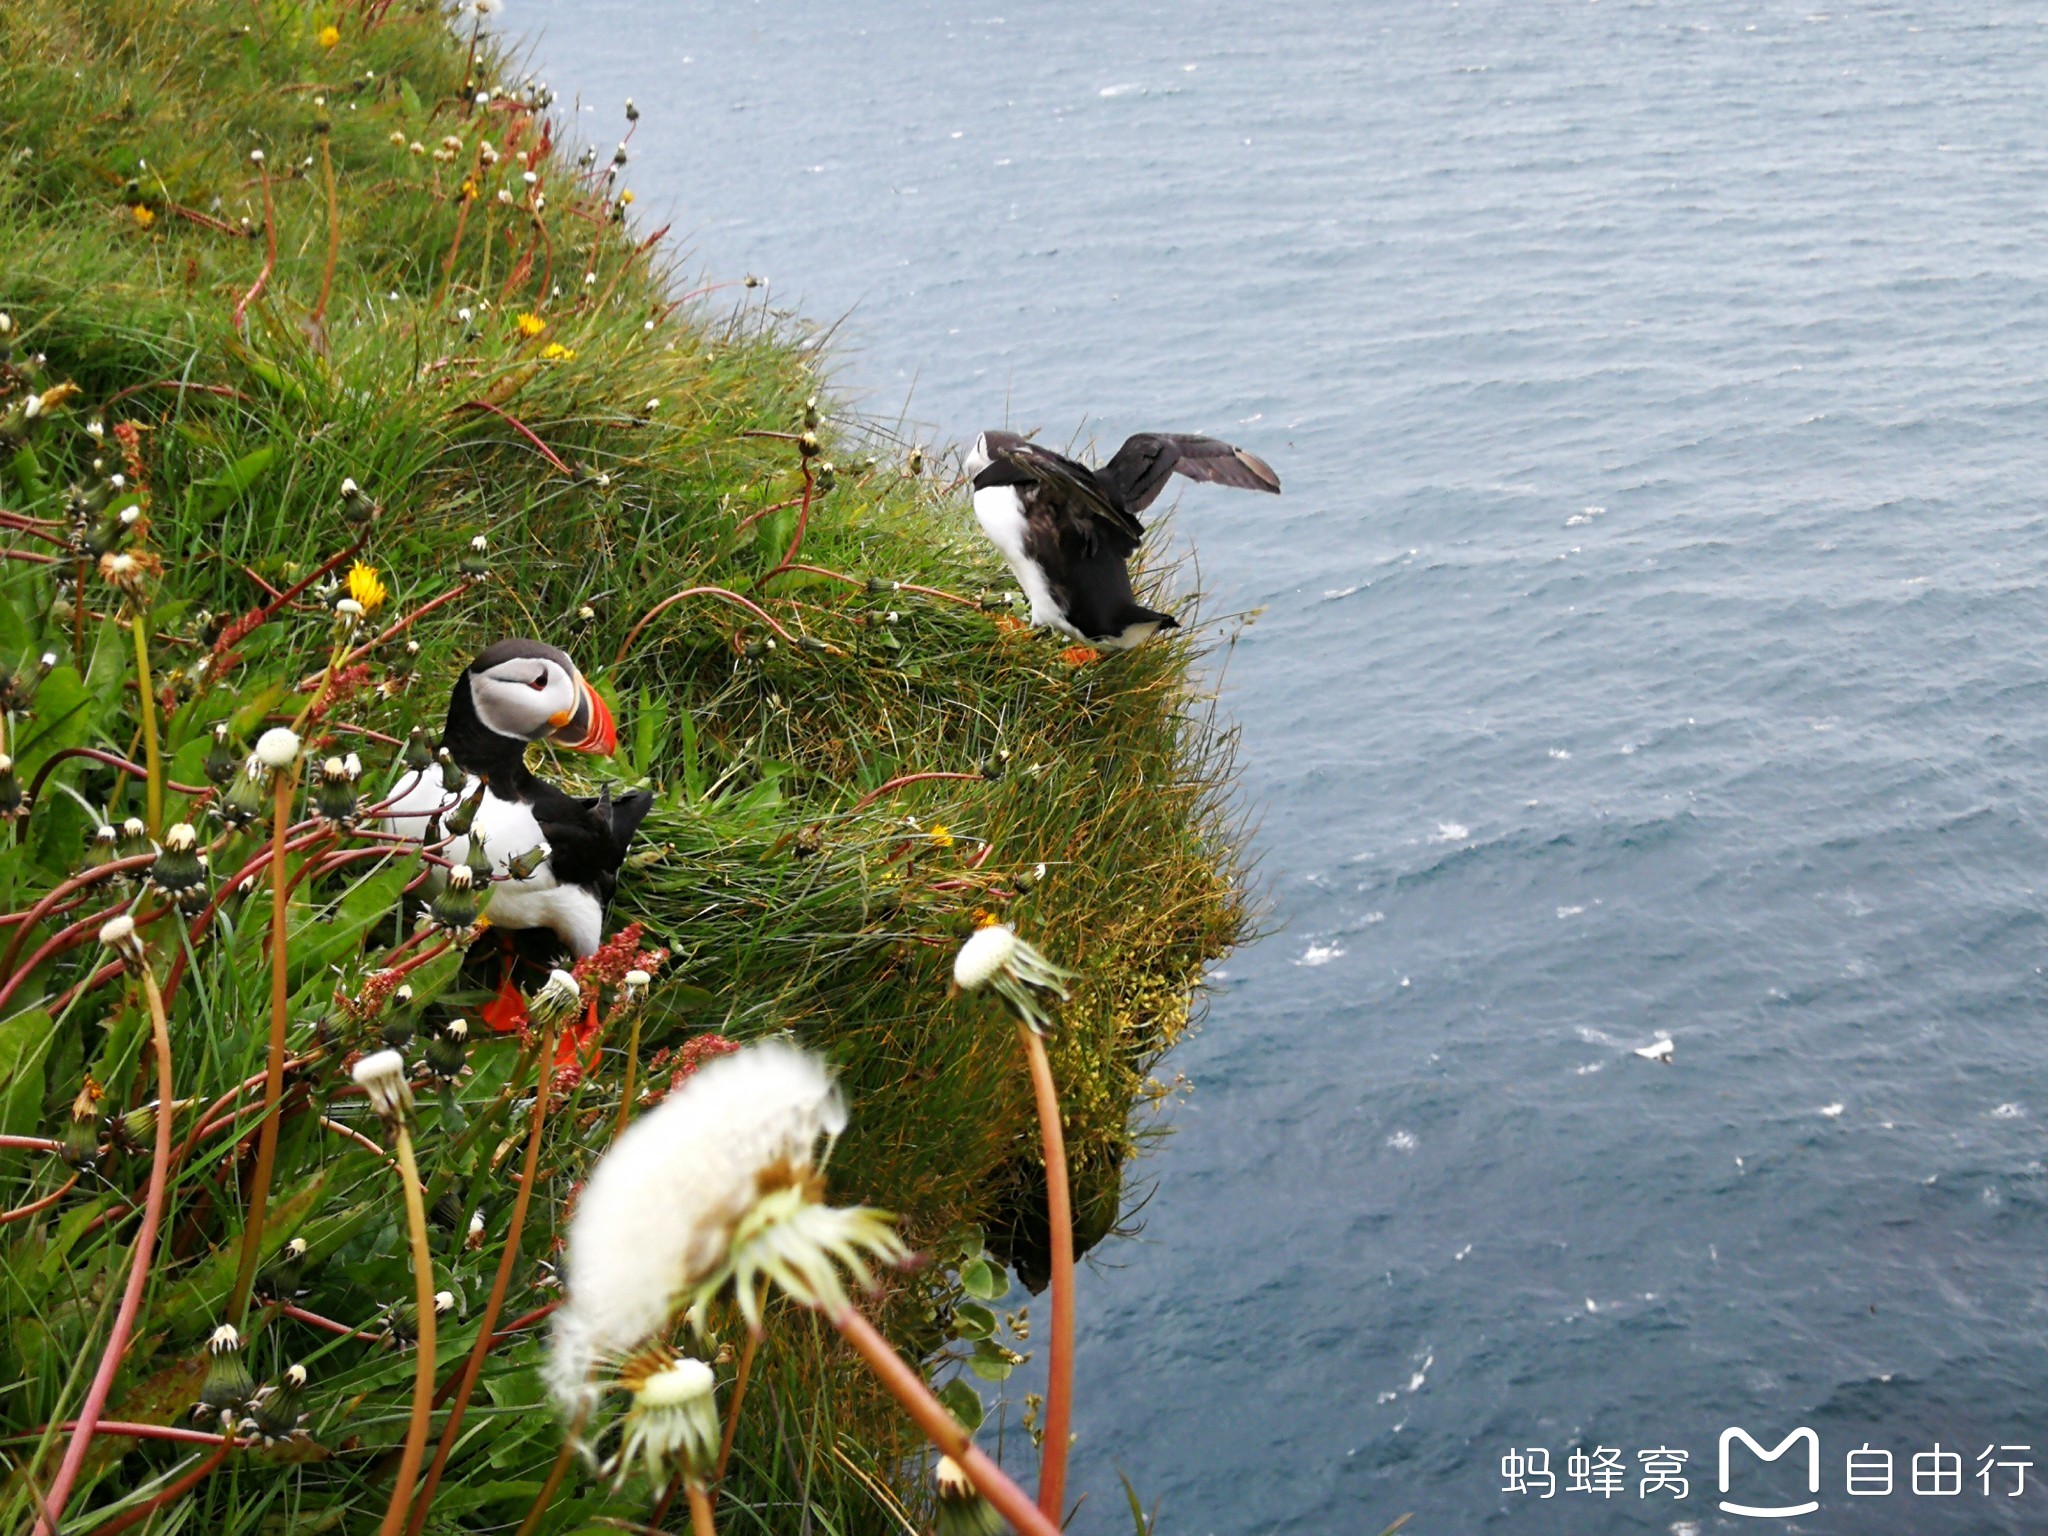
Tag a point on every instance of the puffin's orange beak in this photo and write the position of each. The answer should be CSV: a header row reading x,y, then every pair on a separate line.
x,y
589,727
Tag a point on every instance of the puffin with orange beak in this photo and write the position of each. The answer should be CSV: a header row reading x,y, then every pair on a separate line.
x,y
517,692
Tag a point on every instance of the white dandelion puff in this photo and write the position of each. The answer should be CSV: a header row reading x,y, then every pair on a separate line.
x,y
995,956
718,1182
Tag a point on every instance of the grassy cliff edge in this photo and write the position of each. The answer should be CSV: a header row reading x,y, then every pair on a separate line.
x,y
264,249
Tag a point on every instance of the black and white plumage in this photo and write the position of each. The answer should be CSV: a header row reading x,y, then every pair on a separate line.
x,y
516,692
1069,531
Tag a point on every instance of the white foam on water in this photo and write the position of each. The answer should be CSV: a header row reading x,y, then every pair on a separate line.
x,y
1320,954
1402,1141
1565,912
1561,754
2008,1112
1451,832
1832,1111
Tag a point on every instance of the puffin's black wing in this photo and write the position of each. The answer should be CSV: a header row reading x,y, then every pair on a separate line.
x,y
1082,503
1140,469
587,839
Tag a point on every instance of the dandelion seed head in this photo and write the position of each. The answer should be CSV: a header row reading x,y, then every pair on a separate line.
x,y
278,748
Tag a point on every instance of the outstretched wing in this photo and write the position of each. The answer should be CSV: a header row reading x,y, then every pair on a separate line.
x,y
1140,469
1076,495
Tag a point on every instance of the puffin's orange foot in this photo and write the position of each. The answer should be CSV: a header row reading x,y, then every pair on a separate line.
x,y
579,1043
507,1011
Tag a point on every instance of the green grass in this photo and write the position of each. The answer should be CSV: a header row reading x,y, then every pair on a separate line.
x,y
126,128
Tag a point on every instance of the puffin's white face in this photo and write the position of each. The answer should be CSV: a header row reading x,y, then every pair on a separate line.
x,y
979,458
538,695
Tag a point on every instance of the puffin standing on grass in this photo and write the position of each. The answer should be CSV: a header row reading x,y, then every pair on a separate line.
x,y
1068,531
516,692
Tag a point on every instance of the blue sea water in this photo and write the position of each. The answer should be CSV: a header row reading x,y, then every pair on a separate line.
x,y
1650,643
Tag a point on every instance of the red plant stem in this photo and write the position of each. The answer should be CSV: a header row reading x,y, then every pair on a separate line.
x,y
170,1495
77,882
221,893
136,770
900,780
270,251
28,557
314,1319
326,568
554,1481
908,1388
508,1260
796,540
901,586
423,1375
149,1432
223,390
21,1212
31,1143
523,429
405,623
63,939
1059,1377
752,518
701,1523
282,783
719,592
138,1272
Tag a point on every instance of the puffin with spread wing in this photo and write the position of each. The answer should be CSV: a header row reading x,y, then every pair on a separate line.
x,y
1069,531
515,693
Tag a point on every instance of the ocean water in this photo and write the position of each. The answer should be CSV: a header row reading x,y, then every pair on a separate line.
x,y
1650,643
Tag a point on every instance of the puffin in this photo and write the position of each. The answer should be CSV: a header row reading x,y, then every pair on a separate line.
x,y
1069,531
516,692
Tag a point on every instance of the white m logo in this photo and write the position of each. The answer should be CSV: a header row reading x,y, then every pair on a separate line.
x,y
1782,1511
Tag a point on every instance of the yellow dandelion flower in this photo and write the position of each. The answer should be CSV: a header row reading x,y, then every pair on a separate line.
x,y
626,196
555,352
530,325
941,836
469,191
328,36
367,587
144,217
983,918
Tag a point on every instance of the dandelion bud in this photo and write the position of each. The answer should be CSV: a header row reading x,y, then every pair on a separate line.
x,y
79,1140
105,843
828,475
811,412
452,777
11,794
276,1413
334,796
396,1031
877,586
447,1052
180,869
455,907
228,1385
474,1238
521,866
419,753
619,154
477,561
458,821
135,838
478,862
247,795
282,1279
381,1075
632,112
255,157
808,445
398,138
1027,981
555,1001
278,748
962,1511
671,1427
635,983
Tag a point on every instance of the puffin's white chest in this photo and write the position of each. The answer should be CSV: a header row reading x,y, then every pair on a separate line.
x,y
508,829
1001,515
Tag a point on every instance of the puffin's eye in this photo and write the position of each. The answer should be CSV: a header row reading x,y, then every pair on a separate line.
x,y
539,684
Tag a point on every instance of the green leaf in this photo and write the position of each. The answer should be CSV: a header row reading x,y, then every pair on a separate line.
x,y
978,1277
971,1320
963,1402
991,1362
